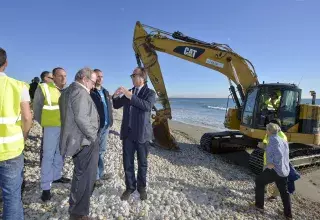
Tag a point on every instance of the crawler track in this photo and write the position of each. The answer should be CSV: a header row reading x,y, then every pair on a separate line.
x,y
301,156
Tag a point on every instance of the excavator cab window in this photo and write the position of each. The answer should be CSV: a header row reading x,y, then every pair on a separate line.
x,y
274,102
288,112
268,106
248,112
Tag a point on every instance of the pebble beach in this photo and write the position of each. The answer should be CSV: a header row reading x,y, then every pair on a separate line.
x,y
190,184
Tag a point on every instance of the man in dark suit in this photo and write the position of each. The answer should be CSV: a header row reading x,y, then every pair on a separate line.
x,y
136,130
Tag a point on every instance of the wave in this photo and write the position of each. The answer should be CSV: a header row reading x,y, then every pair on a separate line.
x,y
217,107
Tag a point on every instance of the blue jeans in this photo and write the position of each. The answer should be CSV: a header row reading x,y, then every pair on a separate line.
x,y
11,174
103,138
52,161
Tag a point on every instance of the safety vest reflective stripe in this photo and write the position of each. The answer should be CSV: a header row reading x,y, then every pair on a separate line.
x,y
269,103
50,115
9,120
46,90
10,139
48,96
48,107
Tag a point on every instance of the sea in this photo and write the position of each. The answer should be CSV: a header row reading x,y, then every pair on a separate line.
x,y
204,112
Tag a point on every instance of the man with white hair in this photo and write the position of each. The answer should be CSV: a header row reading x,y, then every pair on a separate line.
x,y
79,132
278,169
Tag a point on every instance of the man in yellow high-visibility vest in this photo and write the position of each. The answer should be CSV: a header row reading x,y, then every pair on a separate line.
x,y
15,123
47,113
274,101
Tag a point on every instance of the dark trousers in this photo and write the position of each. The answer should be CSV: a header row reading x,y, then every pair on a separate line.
x,y
270,176
129,149
84,176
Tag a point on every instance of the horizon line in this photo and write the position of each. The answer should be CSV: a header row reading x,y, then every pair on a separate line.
x,y
177,97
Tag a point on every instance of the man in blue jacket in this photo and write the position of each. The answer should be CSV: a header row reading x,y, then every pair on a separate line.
x,y
101,98
136,130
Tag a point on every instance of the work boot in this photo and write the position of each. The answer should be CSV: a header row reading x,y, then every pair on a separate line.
x,y
126,194
143,194
62,180
46,195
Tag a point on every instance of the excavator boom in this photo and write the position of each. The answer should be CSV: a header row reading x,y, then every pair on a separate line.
x,y
219,57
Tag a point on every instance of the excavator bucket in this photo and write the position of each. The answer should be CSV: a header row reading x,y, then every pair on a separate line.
x,y
162,136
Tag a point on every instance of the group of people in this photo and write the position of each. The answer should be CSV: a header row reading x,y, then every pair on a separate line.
x,y
76,121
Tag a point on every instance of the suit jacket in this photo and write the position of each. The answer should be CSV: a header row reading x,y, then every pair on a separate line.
x,y
141,128
79,119
98,101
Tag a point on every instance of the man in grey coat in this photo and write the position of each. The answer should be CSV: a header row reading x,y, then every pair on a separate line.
x,y
79,132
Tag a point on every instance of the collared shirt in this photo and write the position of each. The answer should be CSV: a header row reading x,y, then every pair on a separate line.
x,y
139,89
84,87
105,106
277,152
25,96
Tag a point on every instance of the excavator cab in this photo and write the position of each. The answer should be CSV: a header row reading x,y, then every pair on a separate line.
x,y
266,102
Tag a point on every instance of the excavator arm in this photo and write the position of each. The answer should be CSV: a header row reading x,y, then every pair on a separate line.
x,y
218,57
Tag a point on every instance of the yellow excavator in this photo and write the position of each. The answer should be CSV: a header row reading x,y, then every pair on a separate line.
x,y
256,104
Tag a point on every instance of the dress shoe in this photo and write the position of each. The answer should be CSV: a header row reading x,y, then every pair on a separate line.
x,y
126,194
46,195
252,205
143,194
62,180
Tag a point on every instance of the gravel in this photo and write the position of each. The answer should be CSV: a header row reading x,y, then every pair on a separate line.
x,y
190,184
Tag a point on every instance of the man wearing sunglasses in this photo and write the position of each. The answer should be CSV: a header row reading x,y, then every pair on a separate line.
x,y
46,77
47,114
136,130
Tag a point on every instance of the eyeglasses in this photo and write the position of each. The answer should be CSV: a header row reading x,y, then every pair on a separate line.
x,y
91,80
134,75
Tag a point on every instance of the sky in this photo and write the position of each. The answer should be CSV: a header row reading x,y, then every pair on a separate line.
x,y
280,38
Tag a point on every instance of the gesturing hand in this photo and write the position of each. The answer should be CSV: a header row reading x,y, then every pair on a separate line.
x,y
261,145
117,92
126,92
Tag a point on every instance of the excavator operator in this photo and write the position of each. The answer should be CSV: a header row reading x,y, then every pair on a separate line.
x,y
273,102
